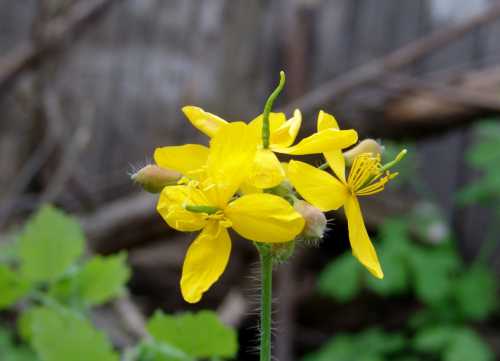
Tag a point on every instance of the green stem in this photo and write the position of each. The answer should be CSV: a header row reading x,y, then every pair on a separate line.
x,y
266,266
324,166
201,209
267,110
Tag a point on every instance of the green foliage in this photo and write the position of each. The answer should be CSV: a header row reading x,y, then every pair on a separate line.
x,y
452,343
475,293
199,335
50,243
10,351
452,294
428,271
393,253
102,279
433,339
341,279
370,345
466,345
483,155
61,335
45,271
12,287
344,278
160,351
433,271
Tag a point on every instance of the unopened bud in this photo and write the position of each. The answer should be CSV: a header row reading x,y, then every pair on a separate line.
x,y
153,178
365,146
281,252
316,221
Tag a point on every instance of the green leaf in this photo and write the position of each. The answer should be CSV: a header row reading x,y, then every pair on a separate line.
x,y
466,345
103,278
12,287
24,324
476,293
341,279
8,251
9,351
434,339
379,342
395,281
484,190
484,151
340,348
62,335
394,233
199,335
482,155
50,243
370,345
433,269
160,351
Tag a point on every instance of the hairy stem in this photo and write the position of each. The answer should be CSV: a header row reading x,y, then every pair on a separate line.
x,y
266,266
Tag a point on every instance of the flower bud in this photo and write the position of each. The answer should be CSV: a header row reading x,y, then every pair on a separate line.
x,y
281,252
365,146
153,178
316,222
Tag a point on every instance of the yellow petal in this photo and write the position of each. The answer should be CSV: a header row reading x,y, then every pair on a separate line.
x,y
171,207
207,122
336,161
318,187
285,135
326,140
248,188
264,217
232,152
326,121
205,261
361,245
267,171
335,158
188,159
276,120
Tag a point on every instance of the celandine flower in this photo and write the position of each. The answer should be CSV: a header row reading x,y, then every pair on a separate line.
x,y
327,192
209,204
267,171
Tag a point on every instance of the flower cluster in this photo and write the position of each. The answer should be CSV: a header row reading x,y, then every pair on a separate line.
x,y
238,182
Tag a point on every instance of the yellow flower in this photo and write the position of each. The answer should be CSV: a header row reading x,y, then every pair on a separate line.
x,y
267,171
208,204
189,159
327,192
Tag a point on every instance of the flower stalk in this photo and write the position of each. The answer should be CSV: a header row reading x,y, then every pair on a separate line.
x,y
266,267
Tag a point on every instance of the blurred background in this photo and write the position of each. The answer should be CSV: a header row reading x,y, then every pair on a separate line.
x,y
89,88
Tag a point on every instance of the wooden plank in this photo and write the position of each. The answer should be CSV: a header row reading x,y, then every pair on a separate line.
x,y
443,167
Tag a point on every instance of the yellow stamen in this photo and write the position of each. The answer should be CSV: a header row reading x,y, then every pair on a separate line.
x,y
363,171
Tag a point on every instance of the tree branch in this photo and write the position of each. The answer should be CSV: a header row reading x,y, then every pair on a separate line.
x,y
376,69
55,34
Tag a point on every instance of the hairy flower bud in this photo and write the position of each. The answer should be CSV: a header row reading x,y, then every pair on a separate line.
x,y
316,222
153,178
365,146
281,252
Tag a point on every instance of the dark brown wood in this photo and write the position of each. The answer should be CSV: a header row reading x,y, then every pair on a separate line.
x,y
55,34
404,56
